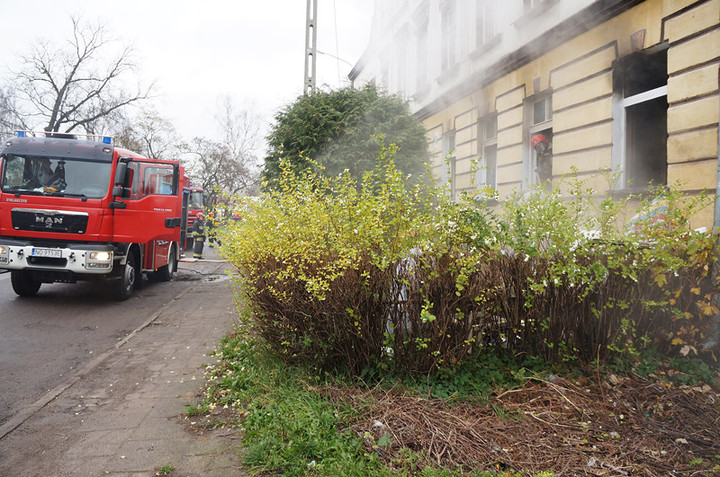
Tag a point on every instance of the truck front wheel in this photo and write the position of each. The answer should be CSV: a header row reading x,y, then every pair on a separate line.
x,y
23,284
166,272
125,285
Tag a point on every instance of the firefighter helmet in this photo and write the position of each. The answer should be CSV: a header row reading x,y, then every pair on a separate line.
x,y
537,139
541,145
200,216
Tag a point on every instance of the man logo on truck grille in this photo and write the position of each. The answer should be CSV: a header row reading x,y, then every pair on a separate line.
x,y
48,221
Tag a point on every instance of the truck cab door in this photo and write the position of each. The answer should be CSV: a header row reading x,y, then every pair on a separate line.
x,y
152,210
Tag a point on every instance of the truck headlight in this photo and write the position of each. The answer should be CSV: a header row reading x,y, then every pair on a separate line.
x,y
99,259
4,254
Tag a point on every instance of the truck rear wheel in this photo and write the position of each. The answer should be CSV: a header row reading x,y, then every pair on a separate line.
x,y
126,284
23,284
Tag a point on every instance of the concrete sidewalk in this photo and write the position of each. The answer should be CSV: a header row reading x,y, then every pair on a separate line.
x,y
125,417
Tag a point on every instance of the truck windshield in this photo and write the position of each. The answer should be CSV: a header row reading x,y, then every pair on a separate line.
x,y
196,199
44,175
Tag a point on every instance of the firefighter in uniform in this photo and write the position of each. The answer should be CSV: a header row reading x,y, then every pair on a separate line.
x,y
199,235
212,230
543,148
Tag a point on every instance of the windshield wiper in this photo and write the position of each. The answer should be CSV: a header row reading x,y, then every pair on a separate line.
x,y
66,194
19,192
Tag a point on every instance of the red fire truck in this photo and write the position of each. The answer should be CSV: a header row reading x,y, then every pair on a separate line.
x,y
75,208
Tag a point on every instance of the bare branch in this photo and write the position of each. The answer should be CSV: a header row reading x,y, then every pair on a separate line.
x,y
76,85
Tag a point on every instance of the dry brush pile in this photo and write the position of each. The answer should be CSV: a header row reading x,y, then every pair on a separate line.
x,y
623,427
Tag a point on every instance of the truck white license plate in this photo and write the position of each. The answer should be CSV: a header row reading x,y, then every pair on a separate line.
x,y
47,252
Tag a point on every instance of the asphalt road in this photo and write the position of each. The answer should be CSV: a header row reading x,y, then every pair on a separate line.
x,y
47,338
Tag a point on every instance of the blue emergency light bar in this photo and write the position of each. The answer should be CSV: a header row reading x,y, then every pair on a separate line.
x,y
89,137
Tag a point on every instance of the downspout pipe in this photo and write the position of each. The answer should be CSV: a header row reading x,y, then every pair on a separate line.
x,y
713,339
716,223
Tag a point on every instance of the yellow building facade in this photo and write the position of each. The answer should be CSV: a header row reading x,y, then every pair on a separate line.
x,y
624,86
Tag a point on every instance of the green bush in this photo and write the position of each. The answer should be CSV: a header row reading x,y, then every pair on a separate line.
x,y
563,294
317,259
342,274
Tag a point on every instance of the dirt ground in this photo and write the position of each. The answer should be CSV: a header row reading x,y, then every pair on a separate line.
x,y
571,427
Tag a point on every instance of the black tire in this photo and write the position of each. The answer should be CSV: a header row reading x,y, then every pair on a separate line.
x,y
23,284
124,286
166,273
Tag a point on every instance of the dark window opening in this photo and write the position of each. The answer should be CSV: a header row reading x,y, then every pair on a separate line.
x,y
643,72
641,85
646,138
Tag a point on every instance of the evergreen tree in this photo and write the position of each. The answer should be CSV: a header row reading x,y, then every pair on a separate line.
x,y
343,130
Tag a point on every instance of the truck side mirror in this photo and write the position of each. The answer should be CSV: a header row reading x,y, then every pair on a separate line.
x,y
121,174
121,186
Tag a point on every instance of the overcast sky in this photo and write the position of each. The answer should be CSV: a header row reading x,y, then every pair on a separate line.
x,y
199,51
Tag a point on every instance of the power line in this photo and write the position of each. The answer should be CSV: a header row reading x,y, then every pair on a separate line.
x,y
337,48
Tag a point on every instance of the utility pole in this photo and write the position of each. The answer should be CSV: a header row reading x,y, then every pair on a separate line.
x,y
310,46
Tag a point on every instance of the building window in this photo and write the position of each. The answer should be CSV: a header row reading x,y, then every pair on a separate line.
x,y
401,64
533,9
542,111
450,161
537,168
487,136
421,54
449,34
640,118
530,4
484,22
385,76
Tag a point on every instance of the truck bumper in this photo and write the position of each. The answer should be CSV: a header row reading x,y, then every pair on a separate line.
x,y
76,259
